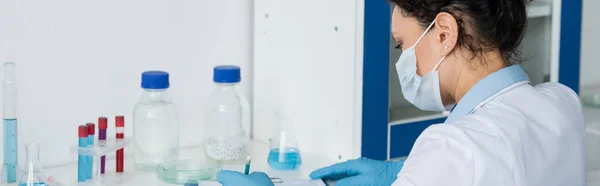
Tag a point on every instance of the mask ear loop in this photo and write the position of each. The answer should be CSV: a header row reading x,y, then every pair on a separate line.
x,y
419,40
424,33
438,64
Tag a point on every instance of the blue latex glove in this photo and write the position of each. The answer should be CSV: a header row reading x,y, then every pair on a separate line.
x,y
233,178
362,171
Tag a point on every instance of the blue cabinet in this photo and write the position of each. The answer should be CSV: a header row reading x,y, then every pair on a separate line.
x,y
390,125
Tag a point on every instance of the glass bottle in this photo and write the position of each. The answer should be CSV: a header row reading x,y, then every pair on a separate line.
x,y
155,124
285,151
224,113
33,175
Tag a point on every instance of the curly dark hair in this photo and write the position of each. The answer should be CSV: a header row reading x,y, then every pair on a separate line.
x,y
483,24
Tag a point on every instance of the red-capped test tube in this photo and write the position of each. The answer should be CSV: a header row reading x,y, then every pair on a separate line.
x,y
120,129
102,126
82,166
91,132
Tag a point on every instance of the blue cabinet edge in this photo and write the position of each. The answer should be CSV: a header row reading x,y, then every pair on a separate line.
x,y
376,59
570,44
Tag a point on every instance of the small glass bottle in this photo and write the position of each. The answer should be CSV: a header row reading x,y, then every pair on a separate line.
x,y
155,124
285,151
225,138
33,175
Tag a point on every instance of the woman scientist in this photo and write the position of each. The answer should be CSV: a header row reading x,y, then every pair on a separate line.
x,y
502,131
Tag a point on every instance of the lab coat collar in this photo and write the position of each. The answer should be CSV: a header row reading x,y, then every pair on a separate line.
x,y
486,88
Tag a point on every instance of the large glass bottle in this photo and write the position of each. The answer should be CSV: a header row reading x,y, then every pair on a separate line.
x,y
33,175
155,124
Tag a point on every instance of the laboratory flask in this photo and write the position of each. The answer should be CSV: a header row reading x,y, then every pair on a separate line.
x,y
284,153
33,175
225,138
155,124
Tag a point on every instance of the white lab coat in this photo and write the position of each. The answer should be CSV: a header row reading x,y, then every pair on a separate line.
x,y
522,136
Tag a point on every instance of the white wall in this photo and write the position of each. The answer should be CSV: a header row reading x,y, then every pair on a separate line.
x,y
77,60
590,44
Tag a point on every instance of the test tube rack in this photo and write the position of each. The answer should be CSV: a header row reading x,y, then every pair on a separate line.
x,y
102,148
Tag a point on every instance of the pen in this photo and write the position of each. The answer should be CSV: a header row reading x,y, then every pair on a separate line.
x,y
247,168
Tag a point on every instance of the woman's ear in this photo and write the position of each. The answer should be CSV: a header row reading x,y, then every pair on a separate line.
x,y
447,32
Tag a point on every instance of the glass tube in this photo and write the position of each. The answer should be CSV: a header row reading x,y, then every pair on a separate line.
x,y
10,123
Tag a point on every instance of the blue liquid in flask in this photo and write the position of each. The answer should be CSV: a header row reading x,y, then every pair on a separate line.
x,y
10,149
289,159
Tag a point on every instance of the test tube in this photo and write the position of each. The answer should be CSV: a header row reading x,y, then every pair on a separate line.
x,y
120,129
10,123
102,125
91,132
81,159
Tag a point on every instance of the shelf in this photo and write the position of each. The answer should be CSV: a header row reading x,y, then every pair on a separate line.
x,y
67,174
539,10
412,114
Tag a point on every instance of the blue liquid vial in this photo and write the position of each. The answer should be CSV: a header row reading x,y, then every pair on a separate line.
x,y
288,159
10,150
9,104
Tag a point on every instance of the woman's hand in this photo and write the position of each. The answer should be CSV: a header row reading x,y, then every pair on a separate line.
x,y
233,178
362,171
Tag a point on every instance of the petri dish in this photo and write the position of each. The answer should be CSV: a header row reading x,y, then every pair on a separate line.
x,y
187,171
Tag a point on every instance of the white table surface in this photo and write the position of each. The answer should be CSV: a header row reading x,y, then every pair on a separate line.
x,y
67,174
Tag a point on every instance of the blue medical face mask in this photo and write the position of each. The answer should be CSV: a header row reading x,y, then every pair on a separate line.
x,y
423,92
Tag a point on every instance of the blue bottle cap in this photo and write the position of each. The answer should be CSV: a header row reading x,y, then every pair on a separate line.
x,y
226,74
155,80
